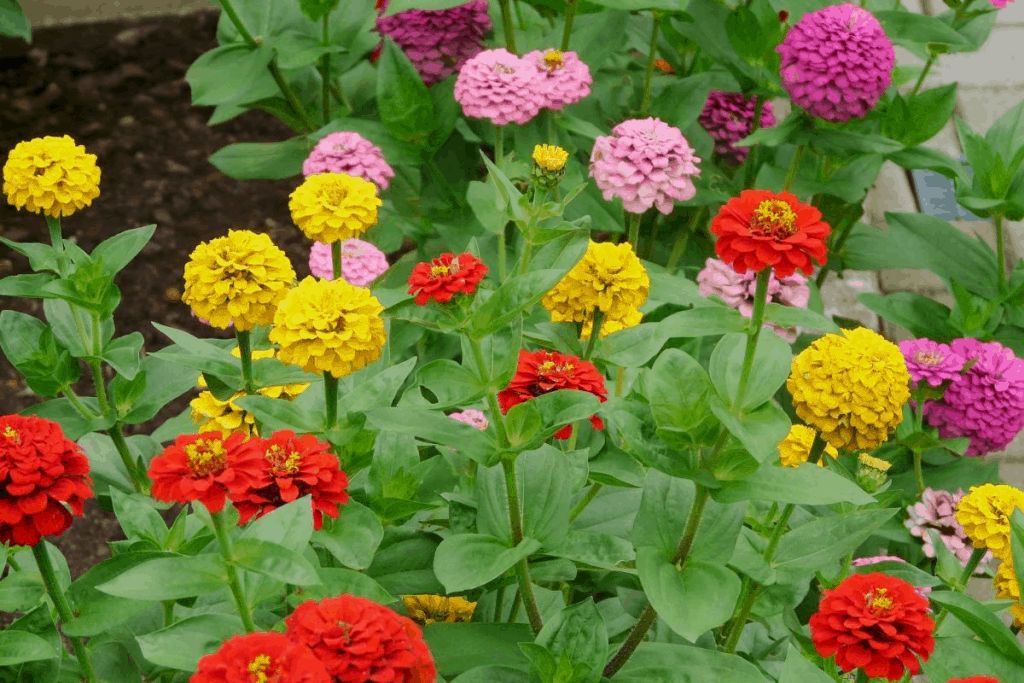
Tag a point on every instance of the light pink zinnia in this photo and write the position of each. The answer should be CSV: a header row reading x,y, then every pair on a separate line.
x,y
930,361
499,86
999,4
837,62
361,262
923,591
728,117
562,77
936,511
737,290
986,403
473,418
437,42
646,163
350,153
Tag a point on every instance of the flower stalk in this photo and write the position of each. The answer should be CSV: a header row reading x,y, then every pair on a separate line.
x,y
244,339
508,26
60,601
794,167
1000,253
570,15
224,542
330,400
652,56
679,248
634,231
756,323
515,517
325,71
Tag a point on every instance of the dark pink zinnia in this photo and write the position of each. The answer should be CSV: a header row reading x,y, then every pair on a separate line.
x,y
728,117
931,362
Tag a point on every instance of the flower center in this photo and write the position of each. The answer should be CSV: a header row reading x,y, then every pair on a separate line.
x,y
340,147
12,434
205,456
334,195
877,601
552,60
500,68
282,462
258,669
773,218
926,357
438,271
441,269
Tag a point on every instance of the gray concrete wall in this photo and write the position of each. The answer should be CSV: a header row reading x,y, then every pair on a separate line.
x,y
60,12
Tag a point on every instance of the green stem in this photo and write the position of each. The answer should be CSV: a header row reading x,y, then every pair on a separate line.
x,y
516,521
224,540
595,332
1000,254
325,71
679,248
340,97
924,72
592,492
77,404
649,615
140,480
653,241
508,26
976,556
918,474
749,174
633,234
524,261
652,56
794,166
330,400
847,228
336,260
244,339
499,161
513,611
570,15
60,600
57,240
756,323
497,417
499,598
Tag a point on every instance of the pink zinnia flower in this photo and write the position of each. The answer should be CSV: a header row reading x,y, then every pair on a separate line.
x,y
646,163
923,591
361,262
987,403
562,77
728,117
349,153
499,86
936,511
837,62
930,361
999,4
737,290
473,418
438,42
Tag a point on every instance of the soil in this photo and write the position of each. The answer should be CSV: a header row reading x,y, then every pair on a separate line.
x,y
119,88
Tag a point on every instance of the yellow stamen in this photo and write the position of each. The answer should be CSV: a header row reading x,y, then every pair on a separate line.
x,y
926,357
12,434
877,601
774,218
205,456
258,669
550,158
552,60
439,270
282,462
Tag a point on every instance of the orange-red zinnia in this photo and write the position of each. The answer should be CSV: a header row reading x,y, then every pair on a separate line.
x,y
261,657
205,467
446,276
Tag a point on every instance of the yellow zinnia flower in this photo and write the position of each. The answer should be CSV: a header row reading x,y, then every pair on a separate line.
x,y
851,387
550,158
51,175
609,277
329,326
237,279
332,207
985,515
1007,588
426,609
796,447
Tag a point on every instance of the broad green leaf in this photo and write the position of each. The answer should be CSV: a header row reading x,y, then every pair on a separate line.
x,y
919,315
403,101
578,633
595,549
901,570
137,517
17,647
275,414
376,391
274,560
403,564
760,431
816,544
71,421
335,581
434,426
169,578
961,657
396,6
262,160
42,360
40,256
247,67
200,355
675,663
470,560
791,316
798,669
633,346
494,674
459,648
29,285
913,28
164,381
1006,135
182,644
353,537
805,485
673,289
518,293
771,365
929,159
96,612
13,21
703,322
118,251
678,388
982,621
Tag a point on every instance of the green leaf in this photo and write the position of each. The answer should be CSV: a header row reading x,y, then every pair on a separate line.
x,y
29,286
164,381
118,251
693,600
632,347
901,570
290,525
760,431
40,256
636,5
31,348
459,648
335,581
200,355
470,560
169,578
262,160
578,633
929,159
682,100
181,645
674,663
791,316
276,414
798,669
17,647
926,113
405,106
919,315
72,423
678,388
961,657
805,485
13,21
376,391
123,354
816,544
353,537
97,612
703,322
492,674
838,142
1006,135
138,518
910,29
982,621
227,74
296,50
772,360
434,426
275,561
317,9
397,6
595,549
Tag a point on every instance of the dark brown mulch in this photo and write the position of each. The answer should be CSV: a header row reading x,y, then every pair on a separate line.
x,y
119,88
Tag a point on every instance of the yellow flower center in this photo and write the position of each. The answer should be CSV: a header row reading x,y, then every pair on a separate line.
x,y
340,147
928,357
500,68
773,218
546,367
205,456
258,669
552,60
282,462
550,158
439,270
12,434
876,600
334,195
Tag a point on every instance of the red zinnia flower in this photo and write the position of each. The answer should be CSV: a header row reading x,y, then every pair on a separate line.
x,y
292,467
760,229
446,276
359,640
40,472
974,679
262,658
545,371
875,622
205,467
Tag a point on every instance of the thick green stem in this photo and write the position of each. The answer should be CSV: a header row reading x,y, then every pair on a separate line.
x,y
499,161
652,56
924,72
918,473
633,234
336,260
679,248
140,480
1000,254
330,400
592,492
794,166
325,71
508,26
499,599
756,323
224,541
77,404
60,600
653,241
648,616
595,332
244,339
57,240
515,519
570,15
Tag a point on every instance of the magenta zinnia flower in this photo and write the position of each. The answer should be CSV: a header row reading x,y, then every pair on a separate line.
x,y
350,153
999,4
361,262
737,290
646,163
930,361
499,86
728,117
837,62
936,511
473,418
986,403
923,591
562,77
437,42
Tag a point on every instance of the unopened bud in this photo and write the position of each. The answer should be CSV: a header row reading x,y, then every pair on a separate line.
x,y
549,165
872,472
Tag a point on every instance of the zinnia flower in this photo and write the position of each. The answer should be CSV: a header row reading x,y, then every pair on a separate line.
x,y
836,62
204,467
42,474
446,276
646,163
351,154
985,515
359,641
739,289
728,117
237,279
851,387
542,372
328,326
499,86
1007,588
332,207
426,609
548,166
937,511
931,362
923,591
760,229
998,4
987,403
874,622
438,42
473,418
975,679
361,262
51,175
561,76
294,466
609,278
261,658
796,447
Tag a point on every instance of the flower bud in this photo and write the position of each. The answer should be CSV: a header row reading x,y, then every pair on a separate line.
x,y
871,474
548,166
